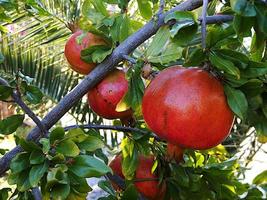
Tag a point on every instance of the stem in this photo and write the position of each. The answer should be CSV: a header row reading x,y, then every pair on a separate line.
x,y
16,97
203,23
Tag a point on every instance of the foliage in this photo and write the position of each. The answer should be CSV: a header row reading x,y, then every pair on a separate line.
x,y
32,60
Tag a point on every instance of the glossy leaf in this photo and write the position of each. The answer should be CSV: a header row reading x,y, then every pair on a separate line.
x,y
36,173
68,148
91,143
237,101
10,124
5,92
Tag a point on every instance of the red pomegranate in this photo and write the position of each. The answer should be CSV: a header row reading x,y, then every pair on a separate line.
x,y
148,188
73,51
174,152
187,107
105,96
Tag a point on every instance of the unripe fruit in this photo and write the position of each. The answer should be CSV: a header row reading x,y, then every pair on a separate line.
x,y
174,152
105,96
187,107
148,188
73,51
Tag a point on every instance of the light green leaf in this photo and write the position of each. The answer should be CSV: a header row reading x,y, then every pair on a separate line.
x,y
145,8
68,148
56,134
91,143
260,178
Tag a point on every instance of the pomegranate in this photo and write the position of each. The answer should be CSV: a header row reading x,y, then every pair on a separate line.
x,y
148,188
174,152
105,96
73,51
187,107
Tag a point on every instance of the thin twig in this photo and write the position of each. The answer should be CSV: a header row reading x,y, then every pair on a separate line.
x,y
204,23
36,193
16,97
129,59
161,7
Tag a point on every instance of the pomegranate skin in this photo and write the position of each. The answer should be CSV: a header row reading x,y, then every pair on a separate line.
x,y
187,107
149,188
104,98
73,51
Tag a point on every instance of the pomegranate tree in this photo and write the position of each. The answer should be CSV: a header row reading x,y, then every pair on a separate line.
x,y
105,96
73,51
187,107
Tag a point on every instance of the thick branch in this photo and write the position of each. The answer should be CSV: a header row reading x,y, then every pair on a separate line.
x,y
126,47
218,19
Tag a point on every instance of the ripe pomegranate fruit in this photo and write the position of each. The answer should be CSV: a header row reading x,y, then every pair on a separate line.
x,y
174,152
73,51
148,188
187,107
105,96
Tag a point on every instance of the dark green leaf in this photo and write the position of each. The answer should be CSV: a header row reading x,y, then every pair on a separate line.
x,y
60,191
237,101
195,58
56,134
36,173
88,166
224,65
243,7
37,157
20,162
243,25
254,70
10,124
33,94
262,18
107,187
257,47
95,54
29,145
130,193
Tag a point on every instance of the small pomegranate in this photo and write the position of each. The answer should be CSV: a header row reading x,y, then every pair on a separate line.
x,y
148,188
73,51
174,152
187,107
105,96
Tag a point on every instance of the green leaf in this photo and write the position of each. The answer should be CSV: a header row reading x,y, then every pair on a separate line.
x,y
20,162
37,157
260,178
158,42
224,65
45,145
253,87
261,18
243,7
36,173
10,124
56,134
243,25
2,58
56,176
257,47
23,182
88,166
76,135
60,191
68,148
169,53
95,54
254,70
124,29
98,5
145,9
33,94
237,101
28,146
107,187
134,95
195,58
185,27
91,143
130,193
4,193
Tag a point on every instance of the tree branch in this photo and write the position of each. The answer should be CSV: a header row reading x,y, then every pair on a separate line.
x,y
36,193
204,23
129,59
126,47
217,19
16,97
